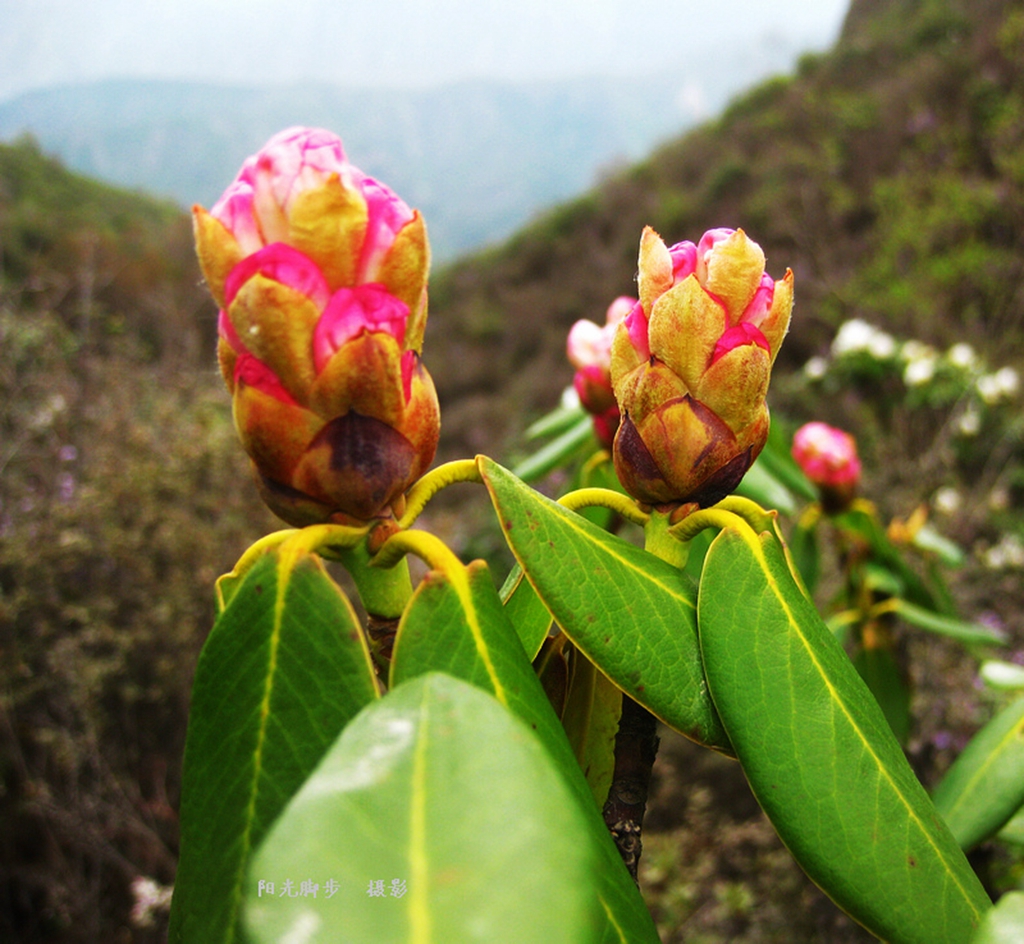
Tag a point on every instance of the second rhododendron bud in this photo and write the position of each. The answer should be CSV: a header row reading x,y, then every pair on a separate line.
x,y
690,367
589,349
321,276
828,457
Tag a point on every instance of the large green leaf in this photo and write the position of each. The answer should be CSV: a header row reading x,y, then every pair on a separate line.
x,y
985,787
446,799
282,672
629,612
456,624
819,755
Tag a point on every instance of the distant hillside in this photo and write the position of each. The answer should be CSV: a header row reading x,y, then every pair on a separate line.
x,y
888,173
478,158
107,261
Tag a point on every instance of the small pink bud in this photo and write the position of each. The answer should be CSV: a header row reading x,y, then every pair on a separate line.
x,y
589,349
828,457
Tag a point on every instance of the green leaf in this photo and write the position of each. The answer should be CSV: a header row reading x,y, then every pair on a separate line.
x,y
877,666
819,754
559,451
803,545
926,538
946,625
591,721
999,674
1013,831
525,611
282,672
1004,923
762,486
629,612
557,421
456,624
439,792
985,786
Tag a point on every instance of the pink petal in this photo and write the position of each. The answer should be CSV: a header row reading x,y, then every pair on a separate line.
x,y
284,264
235,210
828,456
761,303
387,214
585,344
636,325
707,243
350,312
254,373
684,260
409,361
618,310
737,336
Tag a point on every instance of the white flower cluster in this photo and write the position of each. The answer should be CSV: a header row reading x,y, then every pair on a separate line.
x,y
1004,384
1009,552
150,898
921,364
858,335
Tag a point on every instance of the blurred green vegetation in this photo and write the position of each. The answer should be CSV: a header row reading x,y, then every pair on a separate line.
x,y
889,173
123,495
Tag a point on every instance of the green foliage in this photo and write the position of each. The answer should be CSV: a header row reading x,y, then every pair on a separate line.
x,y
107,261
834,773
283,671
985,787
455,624
627,611
438,786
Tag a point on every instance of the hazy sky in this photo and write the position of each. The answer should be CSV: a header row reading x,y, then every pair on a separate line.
x,y
385,42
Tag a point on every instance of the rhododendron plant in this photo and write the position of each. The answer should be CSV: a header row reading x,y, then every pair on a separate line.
x,y
690,367
468,764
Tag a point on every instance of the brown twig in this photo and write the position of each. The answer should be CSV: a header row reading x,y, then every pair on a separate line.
x,y
636,746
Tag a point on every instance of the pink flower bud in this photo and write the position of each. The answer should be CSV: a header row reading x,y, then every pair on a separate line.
x,y
690,367
589,349
828,457
321,274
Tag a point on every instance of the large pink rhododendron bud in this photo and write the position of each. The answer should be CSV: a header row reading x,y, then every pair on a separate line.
x,y
589,349
828,457
690,367
321,276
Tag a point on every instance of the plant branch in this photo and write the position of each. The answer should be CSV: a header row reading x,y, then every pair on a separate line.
x,y
636,746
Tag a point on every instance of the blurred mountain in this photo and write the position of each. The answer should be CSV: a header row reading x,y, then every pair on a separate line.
x,y
478,158
888,173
